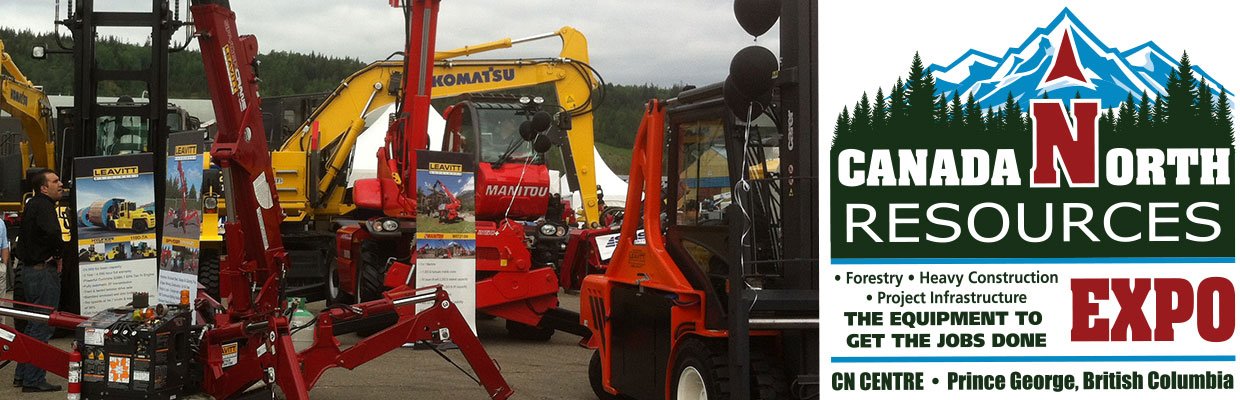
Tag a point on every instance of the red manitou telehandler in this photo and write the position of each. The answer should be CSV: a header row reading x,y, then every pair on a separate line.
x,y
512,187
718,305
245,339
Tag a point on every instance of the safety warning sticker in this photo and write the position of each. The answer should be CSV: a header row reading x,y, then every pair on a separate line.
x,y
118,369
230,354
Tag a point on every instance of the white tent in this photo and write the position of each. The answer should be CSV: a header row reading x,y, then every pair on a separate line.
x,y
365,164
614,189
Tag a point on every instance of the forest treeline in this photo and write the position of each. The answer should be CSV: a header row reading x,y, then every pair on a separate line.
x,y
283,73
912,114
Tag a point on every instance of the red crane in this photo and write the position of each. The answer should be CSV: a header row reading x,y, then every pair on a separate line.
x,y
181,216
450,211
254,320
252,272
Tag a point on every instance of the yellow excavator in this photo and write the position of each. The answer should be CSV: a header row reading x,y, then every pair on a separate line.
x,y
332,130
23,100
313,164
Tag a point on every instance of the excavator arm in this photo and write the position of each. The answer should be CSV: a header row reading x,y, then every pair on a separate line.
x,y
22,99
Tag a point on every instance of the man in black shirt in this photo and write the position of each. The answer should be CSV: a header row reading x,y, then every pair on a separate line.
x,y
39,249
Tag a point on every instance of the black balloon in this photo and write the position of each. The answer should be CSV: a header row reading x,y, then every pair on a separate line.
x,y
527,130
756,16
542,143
542,121
753,70
736,101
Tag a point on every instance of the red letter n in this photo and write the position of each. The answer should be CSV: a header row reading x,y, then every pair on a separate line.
x,y
1061,144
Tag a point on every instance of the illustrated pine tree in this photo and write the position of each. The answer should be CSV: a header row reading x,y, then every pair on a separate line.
x,y
1159,117
1106,125
956,114
1127,118
842,134
1224,123
878,118
898,108
992,121
1180,97
1013,118
974,120
942,113
861,116
1145,119
1204,122
920,93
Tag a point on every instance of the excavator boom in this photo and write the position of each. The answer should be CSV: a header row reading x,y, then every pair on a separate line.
x,y
22,99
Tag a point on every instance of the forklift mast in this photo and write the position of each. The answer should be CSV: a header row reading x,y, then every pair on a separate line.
x,y
84,24
795,288
77,128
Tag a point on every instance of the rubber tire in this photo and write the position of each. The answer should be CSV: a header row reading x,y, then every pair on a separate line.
x,y
766,380
596,378
517,330
710,364
209,271
332,281
372,269
139,226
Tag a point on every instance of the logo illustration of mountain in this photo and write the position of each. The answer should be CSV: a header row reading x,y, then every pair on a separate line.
x,y
1060,61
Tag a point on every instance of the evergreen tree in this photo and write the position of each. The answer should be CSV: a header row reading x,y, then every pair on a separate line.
x,y
993,124
1224,124
1127,116
957,113
841,125
974,121
1106,123
1078,95
942,112
1159,117
861,115
879,120
898,108
920,93
1204,108
1013,117
1145,119
1180,86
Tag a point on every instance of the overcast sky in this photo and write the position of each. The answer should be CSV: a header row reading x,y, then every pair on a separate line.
x,y
662,42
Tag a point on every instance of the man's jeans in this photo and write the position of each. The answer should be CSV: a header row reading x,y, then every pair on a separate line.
x,y
42,286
